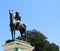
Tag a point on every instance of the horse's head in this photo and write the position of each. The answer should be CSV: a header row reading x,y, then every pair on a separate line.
x,y
10,13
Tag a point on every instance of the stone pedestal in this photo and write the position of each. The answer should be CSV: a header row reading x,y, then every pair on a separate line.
x,y
18,45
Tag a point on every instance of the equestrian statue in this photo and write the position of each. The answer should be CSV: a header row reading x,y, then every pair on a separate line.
x,y
16,24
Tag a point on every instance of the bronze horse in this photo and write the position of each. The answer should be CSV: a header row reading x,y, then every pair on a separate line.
x,y
17,26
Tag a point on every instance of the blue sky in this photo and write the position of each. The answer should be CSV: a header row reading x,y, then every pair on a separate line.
x,y
42,15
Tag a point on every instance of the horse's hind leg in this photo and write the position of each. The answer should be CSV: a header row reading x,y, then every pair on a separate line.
x,y
25,36
21,33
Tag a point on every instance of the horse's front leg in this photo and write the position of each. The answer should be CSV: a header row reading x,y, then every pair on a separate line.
x,y
12,34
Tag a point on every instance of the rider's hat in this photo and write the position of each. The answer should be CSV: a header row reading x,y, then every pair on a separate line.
x,y
17,12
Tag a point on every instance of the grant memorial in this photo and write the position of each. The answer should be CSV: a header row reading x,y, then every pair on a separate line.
x,y
15,44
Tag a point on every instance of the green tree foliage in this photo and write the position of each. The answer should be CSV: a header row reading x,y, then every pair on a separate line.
x,y
39,41
52,47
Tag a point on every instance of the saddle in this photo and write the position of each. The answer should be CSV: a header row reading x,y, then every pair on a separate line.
x,y
18,23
